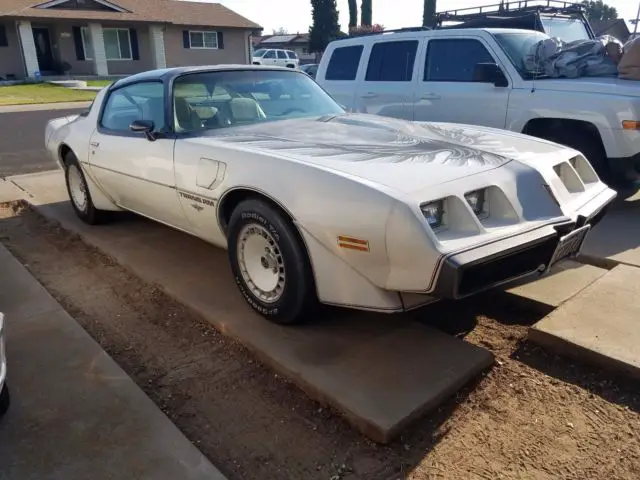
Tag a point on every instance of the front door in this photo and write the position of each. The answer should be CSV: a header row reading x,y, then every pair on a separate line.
x,y
136,172
447,90
44,51
387,87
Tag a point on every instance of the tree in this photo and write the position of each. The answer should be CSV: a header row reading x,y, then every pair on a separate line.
x,y
598,10
353,14
325,26
429,13
366,12
280,31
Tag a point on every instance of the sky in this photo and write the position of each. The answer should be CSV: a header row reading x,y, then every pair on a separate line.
x,y
295,15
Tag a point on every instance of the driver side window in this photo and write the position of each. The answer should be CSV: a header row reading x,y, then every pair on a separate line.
x,y
270,54
141,101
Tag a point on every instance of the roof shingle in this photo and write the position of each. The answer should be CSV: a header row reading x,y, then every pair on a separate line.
x,y
178,12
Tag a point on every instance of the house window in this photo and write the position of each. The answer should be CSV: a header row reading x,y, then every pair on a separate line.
x,y
117,43
203,40
86,43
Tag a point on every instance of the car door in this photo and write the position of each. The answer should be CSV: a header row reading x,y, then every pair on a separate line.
x,y
136,172
448,91
338,75
387,86
269,58
283,59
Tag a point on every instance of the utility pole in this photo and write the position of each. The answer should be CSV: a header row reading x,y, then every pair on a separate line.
x,y
635,29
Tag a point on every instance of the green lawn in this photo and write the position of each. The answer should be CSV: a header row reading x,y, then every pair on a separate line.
x,y
41,93
99,83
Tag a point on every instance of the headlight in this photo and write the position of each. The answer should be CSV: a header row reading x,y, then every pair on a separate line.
x,y
475,200
434,213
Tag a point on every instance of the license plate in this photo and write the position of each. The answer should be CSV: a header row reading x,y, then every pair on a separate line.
x,y
569,245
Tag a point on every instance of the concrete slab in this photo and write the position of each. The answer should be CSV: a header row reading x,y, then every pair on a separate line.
x,y
617,237
601,324
9,192
75,414
565,281
380,371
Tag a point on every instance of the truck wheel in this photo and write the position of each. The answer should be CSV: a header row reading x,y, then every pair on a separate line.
x,y
79,192
5,400
270,264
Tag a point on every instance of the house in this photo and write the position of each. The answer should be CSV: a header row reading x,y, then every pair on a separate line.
x,y
118,37
616,28
299,43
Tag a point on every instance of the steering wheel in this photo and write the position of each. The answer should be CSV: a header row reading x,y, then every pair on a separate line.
x,y
291,110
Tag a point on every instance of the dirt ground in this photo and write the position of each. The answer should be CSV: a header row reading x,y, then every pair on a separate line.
x,y
533,416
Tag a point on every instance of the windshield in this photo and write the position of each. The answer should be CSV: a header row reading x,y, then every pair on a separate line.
x,y
567,29
224,99
260,52
517,46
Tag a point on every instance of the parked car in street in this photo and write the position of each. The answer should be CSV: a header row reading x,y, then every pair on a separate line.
x,y
276,57
310,69
318,205
478,77
4,388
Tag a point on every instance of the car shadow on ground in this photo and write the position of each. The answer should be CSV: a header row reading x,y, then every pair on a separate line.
x,y
612,386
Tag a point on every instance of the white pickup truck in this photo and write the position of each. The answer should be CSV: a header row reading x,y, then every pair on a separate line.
x,y
477,77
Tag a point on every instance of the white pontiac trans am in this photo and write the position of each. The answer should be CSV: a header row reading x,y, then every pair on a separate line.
x,y
316,204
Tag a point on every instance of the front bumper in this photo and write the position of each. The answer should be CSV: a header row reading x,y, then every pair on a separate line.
x,y
528,255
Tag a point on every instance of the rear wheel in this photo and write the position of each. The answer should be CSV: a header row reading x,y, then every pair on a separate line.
x,y
5,400
79,192
291,65
270,264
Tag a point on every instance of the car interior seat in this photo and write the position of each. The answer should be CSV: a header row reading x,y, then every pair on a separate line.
x,y
246,110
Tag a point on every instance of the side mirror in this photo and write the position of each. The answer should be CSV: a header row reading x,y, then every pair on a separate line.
x,y
143,126
490,73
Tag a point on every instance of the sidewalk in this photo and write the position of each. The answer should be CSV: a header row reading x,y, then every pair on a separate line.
x,y
75,414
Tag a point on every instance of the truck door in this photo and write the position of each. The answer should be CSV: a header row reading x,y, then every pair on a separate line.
x,y
449,90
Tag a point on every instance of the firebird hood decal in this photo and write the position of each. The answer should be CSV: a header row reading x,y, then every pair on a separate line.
x,y
368,138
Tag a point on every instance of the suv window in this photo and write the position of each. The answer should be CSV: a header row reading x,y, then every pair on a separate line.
x,y
344,62
281,54
141,101
270,54
292,54
454,60
392,61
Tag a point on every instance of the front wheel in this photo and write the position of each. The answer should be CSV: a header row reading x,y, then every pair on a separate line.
x,y
5,400
270,264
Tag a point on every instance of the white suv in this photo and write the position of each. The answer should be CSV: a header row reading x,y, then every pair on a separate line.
x,y
274,56
478,77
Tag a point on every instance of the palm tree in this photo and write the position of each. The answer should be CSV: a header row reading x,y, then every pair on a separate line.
x,y
353,14
429,13
365,12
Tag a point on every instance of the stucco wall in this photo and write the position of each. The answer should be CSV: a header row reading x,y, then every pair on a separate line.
x,y
11,55
235,46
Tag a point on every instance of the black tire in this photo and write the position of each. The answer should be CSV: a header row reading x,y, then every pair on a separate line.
x,y
87,213
298,296
5,400
291,66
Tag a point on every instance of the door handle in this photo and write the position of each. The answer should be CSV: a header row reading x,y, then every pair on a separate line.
x,y
94,144
430,96
368,95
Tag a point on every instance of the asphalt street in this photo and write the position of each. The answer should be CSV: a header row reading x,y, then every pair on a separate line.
x,y
22,141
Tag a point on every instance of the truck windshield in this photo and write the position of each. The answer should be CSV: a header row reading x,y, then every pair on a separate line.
x,y
517,46
567,29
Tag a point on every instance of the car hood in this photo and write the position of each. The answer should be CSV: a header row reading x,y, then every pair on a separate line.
x,y
407,156
600,85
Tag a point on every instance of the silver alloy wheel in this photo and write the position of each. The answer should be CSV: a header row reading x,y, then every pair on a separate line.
x,y
77,188
261,263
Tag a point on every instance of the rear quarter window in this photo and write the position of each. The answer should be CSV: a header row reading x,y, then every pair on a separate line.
x,y
343,64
